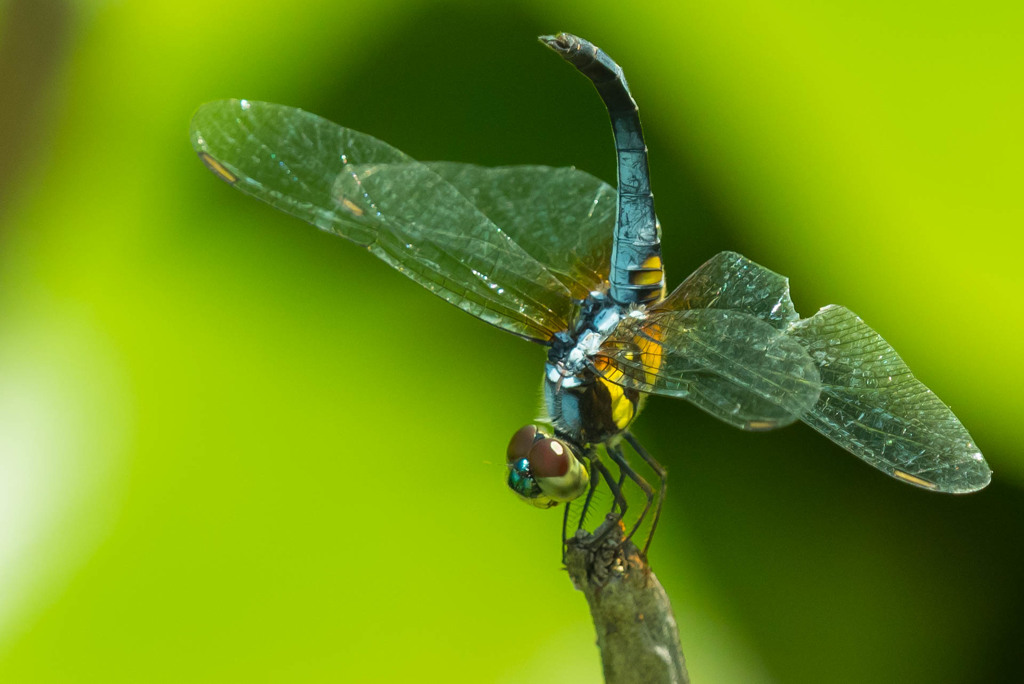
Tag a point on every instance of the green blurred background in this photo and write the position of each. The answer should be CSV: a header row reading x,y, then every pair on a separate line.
x,y
233,448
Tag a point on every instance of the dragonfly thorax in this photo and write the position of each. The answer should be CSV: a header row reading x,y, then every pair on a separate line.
x,y
572,350
584,407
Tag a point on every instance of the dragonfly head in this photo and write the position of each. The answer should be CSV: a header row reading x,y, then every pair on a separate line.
x,y
543,470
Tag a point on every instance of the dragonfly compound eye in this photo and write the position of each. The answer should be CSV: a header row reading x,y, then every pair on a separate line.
x,y
519,445
543,470
520,475
559,473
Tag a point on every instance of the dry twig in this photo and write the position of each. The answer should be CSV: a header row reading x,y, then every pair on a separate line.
x,y
636,629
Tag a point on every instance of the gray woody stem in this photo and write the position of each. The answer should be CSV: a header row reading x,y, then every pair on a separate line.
x,y
636,629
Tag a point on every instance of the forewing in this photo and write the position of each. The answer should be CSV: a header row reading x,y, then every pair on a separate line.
x,y
361,188
874,407
731,364
563,217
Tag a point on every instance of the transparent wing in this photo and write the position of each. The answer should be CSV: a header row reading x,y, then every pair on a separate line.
x,y
873,406
733,365
731,281
869,402
361,188
563,217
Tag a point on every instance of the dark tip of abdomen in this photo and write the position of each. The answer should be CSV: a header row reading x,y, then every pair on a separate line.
x,y
563,43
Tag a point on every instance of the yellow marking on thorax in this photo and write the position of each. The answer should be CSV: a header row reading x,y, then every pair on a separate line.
x,y
218,168
907,477
623,411
651,351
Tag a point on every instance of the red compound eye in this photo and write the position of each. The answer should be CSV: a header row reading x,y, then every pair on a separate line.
x,y
549,458
520,444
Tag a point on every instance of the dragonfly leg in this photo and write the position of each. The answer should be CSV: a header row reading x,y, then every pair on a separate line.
x,y
625,469
620,500
594,481
565,527
662,474
603,530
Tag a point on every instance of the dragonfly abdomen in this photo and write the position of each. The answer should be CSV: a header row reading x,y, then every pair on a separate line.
x,y
637,274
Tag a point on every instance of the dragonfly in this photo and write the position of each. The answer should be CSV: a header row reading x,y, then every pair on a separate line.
x,y
560,258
